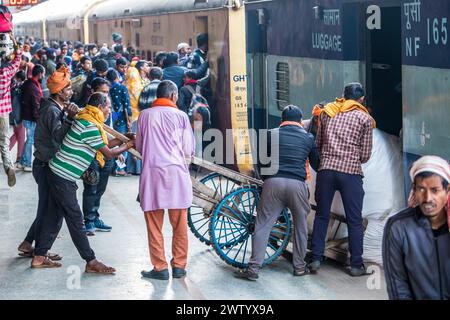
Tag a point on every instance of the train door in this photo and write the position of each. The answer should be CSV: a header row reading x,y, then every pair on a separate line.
x,y
384,71
201,25
256,62
128,35
95,33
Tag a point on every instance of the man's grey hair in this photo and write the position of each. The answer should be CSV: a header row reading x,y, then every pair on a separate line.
x,y
165,89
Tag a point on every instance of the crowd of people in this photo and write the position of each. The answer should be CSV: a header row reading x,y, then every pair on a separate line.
x,y
65,95
46,86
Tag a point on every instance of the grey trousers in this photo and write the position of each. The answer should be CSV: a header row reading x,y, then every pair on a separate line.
x,y
4,142
278,194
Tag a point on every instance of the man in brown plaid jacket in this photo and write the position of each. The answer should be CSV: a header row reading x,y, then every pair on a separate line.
x,y
344,142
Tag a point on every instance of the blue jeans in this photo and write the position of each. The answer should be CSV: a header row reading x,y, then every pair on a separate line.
x,y
93,194
27,155
122,129
351,189
134,167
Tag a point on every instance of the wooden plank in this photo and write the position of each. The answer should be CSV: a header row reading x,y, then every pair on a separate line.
x,y
201,188
206,205
122,138
336,243
226,172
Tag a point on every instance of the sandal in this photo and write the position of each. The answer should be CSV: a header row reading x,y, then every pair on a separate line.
x,y
26,249
98,267
51,256
47,263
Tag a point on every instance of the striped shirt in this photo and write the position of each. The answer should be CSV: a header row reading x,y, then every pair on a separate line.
x,y
77,150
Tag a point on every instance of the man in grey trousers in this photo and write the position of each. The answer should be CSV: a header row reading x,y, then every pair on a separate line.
x,y
289,147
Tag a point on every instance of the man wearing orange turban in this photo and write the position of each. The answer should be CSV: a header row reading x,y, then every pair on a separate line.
x,y
59,80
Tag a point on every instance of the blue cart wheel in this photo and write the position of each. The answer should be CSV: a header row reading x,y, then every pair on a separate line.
x,y
198,220
232,224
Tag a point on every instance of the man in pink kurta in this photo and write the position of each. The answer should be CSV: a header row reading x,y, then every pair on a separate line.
x,y
165,140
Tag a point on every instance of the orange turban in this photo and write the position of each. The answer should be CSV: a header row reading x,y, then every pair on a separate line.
x,y
59,80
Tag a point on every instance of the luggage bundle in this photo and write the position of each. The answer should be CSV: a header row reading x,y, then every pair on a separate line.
x,y
6,26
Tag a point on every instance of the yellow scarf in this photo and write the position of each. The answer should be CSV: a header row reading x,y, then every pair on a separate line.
x,y
342,105
95,115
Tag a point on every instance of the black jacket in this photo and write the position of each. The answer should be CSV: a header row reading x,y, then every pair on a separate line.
x,y
294,146
417,265
51,128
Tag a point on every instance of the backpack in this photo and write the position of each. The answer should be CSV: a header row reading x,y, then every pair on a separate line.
x,y
197,101
6,24
15,117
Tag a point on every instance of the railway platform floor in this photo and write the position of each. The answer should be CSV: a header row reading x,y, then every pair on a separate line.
x,y
126,249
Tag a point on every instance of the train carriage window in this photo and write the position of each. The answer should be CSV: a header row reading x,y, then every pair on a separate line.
x,y
138,40
282,84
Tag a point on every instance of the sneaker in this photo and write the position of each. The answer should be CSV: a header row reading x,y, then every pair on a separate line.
x,y
358,272
314,266
27,169
301,272
19,166
159,275
89,228
178,272
246,274
101,226
11,177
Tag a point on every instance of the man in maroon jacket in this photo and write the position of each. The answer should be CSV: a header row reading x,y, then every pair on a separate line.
x,y
30,100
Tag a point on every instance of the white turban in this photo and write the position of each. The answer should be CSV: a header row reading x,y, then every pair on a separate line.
x,y
182,45
432,164
435,165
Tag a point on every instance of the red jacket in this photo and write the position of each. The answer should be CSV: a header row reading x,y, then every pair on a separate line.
x,y
30,100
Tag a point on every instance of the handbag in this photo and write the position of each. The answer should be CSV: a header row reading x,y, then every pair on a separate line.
x,y
91,176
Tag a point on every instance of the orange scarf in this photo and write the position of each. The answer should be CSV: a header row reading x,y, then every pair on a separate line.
x,y
290,123
342,105
164,102
95,115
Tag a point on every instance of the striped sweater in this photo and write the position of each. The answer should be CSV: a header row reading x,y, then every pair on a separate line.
x,y
77,150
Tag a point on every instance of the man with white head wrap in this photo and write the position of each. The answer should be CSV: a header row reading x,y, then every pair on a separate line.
x,y
184,50
416,241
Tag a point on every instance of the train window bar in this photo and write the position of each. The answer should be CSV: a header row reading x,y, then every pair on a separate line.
x,y
282,85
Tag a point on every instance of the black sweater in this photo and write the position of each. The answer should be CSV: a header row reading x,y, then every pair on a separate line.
x,y
51,128
288,148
